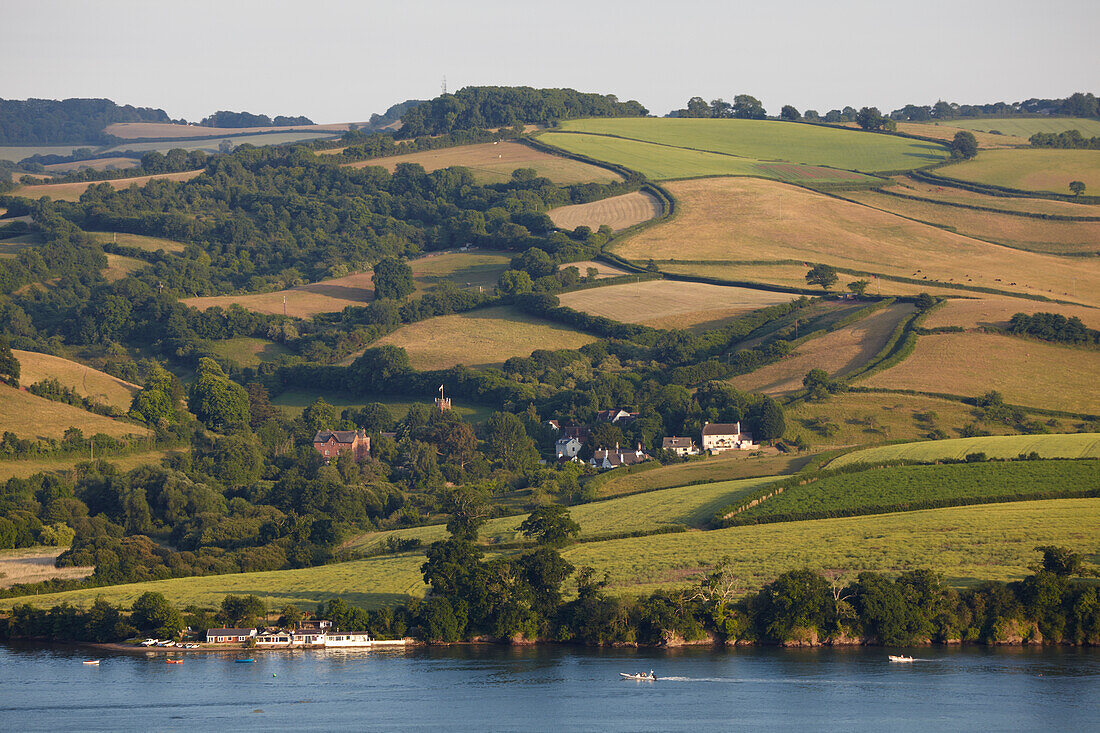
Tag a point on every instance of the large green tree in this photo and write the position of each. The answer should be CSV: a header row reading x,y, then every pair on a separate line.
x,y
392,279
9,365
823,275
550,525
964,145
215,399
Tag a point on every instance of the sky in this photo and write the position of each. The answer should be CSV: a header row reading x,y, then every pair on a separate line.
x,y
339,61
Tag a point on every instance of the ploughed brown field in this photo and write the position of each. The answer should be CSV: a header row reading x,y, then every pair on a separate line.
x,y
750,219
494,163
617,212
839,353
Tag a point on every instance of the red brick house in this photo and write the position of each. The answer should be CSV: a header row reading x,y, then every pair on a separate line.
x,y
331,443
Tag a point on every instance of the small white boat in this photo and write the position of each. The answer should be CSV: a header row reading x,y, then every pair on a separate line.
x,y
91,662
641,676
898,658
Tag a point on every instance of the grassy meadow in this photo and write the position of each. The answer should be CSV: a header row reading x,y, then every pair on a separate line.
x,y
750,219
149,244
248,351
484,337
768,140
1033,169
857,418
671,304
292,402
84,380
898,488
969,544
494,163
210,145
729,466
1025,372
138,130
1025,127
65,466
35,564
1034,235
119,267
99,164
839,353
32,417
466,269
1071,445
617,212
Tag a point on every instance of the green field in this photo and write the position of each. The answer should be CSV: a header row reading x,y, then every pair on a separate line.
x,y
16,153
1028,126
292,403
1030,169
684,506
965,544
248,351
764,140
900,488
1073,445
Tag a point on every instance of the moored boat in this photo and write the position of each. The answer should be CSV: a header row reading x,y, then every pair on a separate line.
x,y
93,662
173,661
244,661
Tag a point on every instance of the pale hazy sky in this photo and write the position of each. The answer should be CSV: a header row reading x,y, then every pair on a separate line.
x,y
337,60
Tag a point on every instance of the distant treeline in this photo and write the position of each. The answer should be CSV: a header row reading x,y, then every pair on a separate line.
x,y
224,118
482,107
70,121
1079,104
1072,139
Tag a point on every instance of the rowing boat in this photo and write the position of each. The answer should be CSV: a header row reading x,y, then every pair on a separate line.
x,y
898,658
244,661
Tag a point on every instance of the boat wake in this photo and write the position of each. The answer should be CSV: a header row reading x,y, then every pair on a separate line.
x,y
698,679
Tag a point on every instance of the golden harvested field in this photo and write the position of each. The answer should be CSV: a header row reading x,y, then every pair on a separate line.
x,y
858,418
996,312
137,130
84,380
795,276
73,191
65,466
618,212
35,564
1032,169
149,244
756,219
1021,232
670,303
483,337
1026,372
119,267
99,164
494,163
839,353
986,140
913,187
465,269
603,269
32,417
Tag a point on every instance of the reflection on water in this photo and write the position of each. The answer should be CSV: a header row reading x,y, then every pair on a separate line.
x,y
552,688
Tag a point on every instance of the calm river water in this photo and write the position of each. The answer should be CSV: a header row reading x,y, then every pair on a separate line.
x,y
493,688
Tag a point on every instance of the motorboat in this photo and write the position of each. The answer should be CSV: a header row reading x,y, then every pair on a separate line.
x,y
640,676
92,662
173,661
899,658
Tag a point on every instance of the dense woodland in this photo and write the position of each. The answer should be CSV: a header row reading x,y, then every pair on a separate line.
x,y
69,121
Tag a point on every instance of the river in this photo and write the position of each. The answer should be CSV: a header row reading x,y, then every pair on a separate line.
x,y
553,688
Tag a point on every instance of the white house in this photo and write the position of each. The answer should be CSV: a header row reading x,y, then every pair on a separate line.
x,y
723,436
229,636
681,446
606,459
567,448
616,417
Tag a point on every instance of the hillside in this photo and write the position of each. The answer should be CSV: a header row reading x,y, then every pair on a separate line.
x,y
84,380
1081,445
32,417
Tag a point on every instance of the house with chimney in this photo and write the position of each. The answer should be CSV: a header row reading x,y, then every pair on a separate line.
x,y
718,437
680,446
567,448
332,443
607,459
